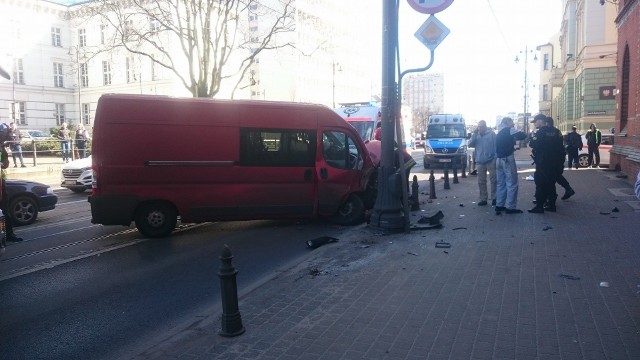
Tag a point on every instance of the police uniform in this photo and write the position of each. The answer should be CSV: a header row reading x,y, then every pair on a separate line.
x,y
548,152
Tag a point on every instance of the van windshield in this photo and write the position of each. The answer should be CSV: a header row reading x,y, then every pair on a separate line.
x,y
438,131
364,129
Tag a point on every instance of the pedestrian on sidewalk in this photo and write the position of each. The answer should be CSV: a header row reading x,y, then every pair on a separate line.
x,y
561,180
65,139
574,144
483,141
4,196
82,136
506,170
16,149
547,149
594,137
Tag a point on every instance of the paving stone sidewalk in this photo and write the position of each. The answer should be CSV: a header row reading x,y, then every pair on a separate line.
x,y
562,285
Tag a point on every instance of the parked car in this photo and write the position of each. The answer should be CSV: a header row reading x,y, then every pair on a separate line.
x,y
605,146
29,135
418,142
77,175
27,199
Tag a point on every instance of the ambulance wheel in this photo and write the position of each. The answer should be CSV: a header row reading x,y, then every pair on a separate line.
x,y
583,160
156,219
351,212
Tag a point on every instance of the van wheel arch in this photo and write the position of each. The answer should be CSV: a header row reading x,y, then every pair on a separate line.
x,y
156,218
351,212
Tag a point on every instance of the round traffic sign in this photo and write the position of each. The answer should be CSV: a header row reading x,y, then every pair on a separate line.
x,y
429,6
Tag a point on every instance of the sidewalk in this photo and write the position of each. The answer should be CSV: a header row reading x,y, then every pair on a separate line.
x,y
45,170
562,285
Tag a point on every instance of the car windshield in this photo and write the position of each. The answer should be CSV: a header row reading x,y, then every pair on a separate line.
x,y
364,129
436,131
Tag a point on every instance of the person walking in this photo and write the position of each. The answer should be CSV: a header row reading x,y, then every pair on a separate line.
x,y
574,144
561,180
4,196
65,138
483,141
547,149
506,170
594,137
16,148
82,136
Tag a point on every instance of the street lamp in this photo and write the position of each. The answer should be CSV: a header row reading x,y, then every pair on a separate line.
x,y
526,86
336,67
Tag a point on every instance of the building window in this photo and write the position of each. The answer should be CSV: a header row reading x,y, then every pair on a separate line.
x,y
154,25
59,114
86,111
103,33
18,113
58,75
128,29
18,71
546,62
84,75
545,92
106,73
82,37
130,68
55,37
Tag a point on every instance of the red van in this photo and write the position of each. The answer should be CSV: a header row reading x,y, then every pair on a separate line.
x,y
157,158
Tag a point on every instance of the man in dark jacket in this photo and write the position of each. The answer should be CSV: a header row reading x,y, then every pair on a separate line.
x,y
594,137
548,152
574,144
506,169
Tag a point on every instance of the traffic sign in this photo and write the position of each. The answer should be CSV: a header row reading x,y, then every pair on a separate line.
x,y
429,6
432,32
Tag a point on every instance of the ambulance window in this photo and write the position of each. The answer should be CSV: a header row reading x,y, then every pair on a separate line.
x,y
340,150
268,147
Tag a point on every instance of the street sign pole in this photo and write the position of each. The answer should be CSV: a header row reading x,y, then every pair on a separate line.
x,y
388,213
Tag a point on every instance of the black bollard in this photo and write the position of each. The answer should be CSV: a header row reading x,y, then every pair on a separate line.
x,y
446,180
455,175
432,186
415,202
231,320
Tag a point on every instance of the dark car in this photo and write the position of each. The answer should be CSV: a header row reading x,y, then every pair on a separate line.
x,y
27,199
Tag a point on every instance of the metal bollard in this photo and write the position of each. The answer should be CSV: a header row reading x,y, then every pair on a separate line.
x,y
231,319
455,175
446,180
415,202
432,186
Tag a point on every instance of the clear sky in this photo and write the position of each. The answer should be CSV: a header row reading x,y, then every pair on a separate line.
x,y
482,80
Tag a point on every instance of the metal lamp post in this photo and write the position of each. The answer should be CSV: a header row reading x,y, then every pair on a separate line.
x,y
526,86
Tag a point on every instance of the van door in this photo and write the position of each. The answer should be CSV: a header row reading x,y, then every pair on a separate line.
x,y
339,170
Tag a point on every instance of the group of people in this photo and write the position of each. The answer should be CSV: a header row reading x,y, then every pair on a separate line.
x,y
494,157
81,139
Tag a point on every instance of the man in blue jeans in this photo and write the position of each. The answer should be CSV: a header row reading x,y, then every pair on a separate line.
x,y
483,141
506,169
64,135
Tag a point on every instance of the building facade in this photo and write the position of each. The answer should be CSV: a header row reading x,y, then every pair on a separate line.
x,y
424,94
59,68
625,154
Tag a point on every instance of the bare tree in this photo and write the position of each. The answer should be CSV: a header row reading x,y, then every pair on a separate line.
x,y
203,42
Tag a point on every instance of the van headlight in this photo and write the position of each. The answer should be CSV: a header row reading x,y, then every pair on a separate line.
x,y
428,149
462,149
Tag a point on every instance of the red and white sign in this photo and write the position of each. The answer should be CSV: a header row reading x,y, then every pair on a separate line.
x,y
429,6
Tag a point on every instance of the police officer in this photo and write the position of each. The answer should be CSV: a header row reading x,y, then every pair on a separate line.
x,y
548,152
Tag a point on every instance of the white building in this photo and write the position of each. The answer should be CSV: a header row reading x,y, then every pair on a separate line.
x,y
58,76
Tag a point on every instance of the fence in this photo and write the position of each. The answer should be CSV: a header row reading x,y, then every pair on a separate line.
x,y
50,148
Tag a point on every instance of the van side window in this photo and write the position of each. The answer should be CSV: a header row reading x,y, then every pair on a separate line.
x,y
262,147
340,151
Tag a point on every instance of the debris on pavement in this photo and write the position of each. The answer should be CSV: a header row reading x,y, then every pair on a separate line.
x,y
460,228
432,219
604,284
568,277
604,213
412,253
442,245
615,209
317,242
547,228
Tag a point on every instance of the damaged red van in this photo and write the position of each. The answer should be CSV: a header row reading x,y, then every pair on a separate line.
x,y
156,159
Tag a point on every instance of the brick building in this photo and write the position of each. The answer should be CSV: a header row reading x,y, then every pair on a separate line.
x,y
625,154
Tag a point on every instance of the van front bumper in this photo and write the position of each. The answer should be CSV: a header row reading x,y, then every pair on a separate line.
x,y
444,161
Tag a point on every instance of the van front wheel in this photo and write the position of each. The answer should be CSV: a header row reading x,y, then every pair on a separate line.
x,y
156,219
351,212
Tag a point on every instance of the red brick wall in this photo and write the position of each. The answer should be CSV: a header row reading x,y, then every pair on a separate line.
x,y
628,30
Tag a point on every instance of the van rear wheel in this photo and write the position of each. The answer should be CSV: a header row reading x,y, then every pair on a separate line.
x,y
156,219
351,212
